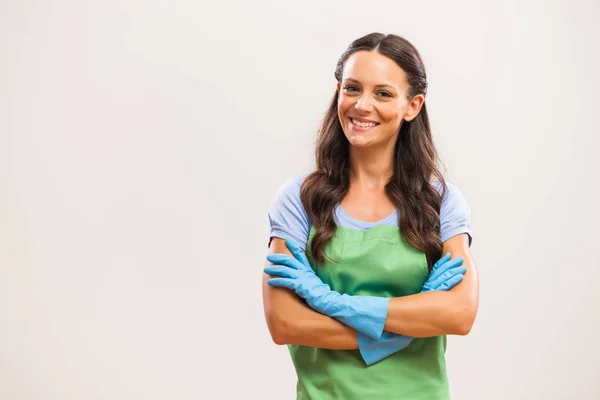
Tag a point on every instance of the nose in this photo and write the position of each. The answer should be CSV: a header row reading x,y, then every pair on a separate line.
x,y
364,104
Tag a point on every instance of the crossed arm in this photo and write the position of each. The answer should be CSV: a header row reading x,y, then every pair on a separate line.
x,y
291,321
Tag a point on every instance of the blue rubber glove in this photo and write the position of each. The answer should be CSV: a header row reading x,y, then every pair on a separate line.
x,y
363,313
445,274
374,350
366,314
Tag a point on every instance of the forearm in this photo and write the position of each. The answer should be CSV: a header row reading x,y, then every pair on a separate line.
x,y
438,312
428,314
291,321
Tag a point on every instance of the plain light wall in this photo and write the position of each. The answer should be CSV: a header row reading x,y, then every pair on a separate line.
x,y
141,144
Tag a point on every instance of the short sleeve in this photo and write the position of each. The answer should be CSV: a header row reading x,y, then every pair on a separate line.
x,y
287,217
455,214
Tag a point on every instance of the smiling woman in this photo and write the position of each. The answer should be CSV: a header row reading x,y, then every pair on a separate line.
x,y
370,266
373,98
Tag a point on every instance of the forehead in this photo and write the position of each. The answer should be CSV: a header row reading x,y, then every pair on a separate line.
x,y
373,68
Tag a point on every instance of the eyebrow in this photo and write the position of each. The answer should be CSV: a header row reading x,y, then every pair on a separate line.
x,y
380,85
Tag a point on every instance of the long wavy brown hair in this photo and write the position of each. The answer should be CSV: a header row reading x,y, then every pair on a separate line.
x,y
416,162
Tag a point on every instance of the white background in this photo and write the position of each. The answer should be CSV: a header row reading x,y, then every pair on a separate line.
x,y
142,142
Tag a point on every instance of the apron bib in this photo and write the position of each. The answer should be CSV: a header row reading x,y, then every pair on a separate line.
x,y
376,262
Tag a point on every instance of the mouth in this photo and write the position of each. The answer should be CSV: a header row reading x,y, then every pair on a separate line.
x,y
361,125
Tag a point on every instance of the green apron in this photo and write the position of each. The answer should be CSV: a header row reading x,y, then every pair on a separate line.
x,y
375,262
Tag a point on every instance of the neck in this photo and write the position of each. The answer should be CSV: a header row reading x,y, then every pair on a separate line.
x,y
371,167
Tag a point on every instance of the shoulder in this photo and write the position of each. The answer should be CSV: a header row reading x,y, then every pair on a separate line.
x,y
451,190
292,186
451,193
288,195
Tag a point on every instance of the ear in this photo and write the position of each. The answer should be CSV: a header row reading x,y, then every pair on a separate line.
x,y
414,107
337,86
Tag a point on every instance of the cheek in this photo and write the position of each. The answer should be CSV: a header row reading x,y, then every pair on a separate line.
x,y
392,115
343,104
393,120
344,107
395,113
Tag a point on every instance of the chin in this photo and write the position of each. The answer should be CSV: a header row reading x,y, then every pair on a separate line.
x,y
359,141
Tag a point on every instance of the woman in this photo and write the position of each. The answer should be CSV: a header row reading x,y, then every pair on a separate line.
x,y
366,311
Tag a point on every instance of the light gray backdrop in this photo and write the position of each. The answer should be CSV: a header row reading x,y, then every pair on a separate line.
x,y
141,144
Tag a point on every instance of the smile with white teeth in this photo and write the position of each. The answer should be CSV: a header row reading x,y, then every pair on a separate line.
x,y
364,124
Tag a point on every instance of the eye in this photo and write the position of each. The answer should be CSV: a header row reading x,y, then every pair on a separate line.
x,y
350,88
385,94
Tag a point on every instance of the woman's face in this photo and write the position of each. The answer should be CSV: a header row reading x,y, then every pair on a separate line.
x,y
372,99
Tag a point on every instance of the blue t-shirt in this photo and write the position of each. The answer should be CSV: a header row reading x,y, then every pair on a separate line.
x,y
288,218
